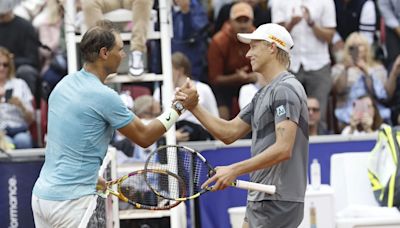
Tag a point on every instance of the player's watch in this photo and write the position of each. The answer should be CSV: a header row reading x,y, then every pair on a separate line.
x,y
178,107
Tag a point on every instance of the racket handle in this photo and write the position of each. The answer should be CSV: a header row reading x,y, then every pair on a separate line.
x,y
270,189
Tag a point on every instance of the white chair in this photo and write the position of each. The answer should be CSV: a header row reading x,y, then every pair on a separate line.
x,y
355,204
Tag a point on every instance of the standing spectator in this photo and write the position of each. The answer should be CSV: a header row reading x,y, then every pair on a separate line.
x,y
228,67
190,25
356,15
20,38
141,12
358,75
315,127
261,15
187,123
16,111
390,11
392,87
312,25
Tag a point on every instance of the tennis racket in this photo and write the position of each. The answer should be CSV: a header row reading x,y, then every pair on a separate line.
x,y
193,168
134,189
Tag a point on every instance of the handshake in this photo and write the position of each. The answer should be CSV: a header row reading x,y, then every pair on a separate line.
x,y
186,97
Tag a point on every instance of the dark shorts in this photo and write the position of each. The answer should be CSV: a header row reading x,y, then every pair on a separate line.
x,y
274,214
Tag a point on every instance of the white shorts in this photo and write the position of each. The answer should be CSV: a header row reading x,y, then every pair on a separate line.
x,y
63,214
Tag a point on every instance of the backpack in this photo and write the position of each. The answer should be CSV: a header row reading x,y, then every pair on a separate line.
x,y
383,167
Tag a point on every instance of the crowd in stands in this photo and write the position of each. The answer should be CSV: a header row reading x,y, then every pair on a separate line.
x,y
346,55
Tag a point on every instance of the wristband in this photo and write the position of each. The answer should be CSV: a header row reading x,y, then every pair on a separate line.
x,y
168,118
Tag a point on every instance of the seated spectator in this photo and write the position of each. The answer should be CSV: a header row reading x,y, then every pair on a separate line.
x,y
365,117
20,38
228,67
141,13
187,123
393,89
315,126
312,25
16,111
358,75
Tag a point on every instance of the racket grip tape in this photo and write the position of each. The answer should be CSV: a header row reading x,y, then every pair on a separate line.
x,y
270,189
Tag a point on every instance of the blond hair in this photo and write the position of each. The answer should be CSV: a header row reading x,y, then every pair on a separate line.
x,y
358,39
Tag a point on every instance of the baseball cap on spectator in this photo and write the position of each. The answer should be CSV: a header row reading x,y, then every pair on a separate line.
x,y
8,5
241,9
272,33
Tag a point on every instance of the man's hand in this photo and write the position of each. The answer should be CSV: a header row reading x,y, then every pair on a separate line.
x,y
101,184
223,177
187,95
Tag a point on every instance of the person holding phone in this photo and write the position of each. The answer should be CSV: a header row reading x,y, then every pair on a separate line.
x,y
16,110
365,117
359,74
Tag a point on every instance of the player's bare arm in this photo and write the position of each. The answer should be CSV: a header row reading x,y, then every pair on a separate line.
x,y
281,150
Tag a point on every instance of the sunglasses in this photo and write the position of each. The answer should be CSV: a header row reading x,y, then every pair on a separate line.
x,y
313,109
5,65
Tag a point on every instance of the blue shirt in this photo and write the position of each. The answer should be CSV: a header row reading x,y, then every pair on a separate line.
x,y
83,114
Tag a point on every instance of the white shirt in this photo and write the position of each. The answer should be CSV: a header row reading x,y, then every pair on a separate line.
x,y
247,93
11,115
206,99
308,51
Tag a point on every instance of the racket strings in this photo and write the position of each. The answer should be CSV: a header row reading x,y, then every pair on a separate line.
x,y
136,188
183,163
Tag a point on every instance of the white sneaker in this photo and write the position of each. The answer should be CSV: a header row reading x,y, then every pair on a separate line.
x,y
136,67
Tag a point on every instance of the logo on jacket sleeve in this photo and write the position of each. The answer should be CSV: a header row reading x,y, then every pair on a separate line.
x,y
280,111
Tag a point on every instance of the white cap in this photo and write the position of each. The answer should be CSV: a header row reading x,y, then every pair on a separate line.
x,y
272,33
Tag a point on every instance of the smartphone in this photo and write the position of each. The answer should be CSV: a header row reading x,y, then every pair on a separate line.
x,y
360,107
354,53
8,94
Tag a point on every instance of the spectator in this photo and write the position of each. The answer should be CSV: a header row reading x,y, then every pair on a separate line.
x,y
20,38
355,16
365,117
228,67
312,26
141,12
315,127
392,87
261,15
390,11
190,25
16,111
358,75
187,124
